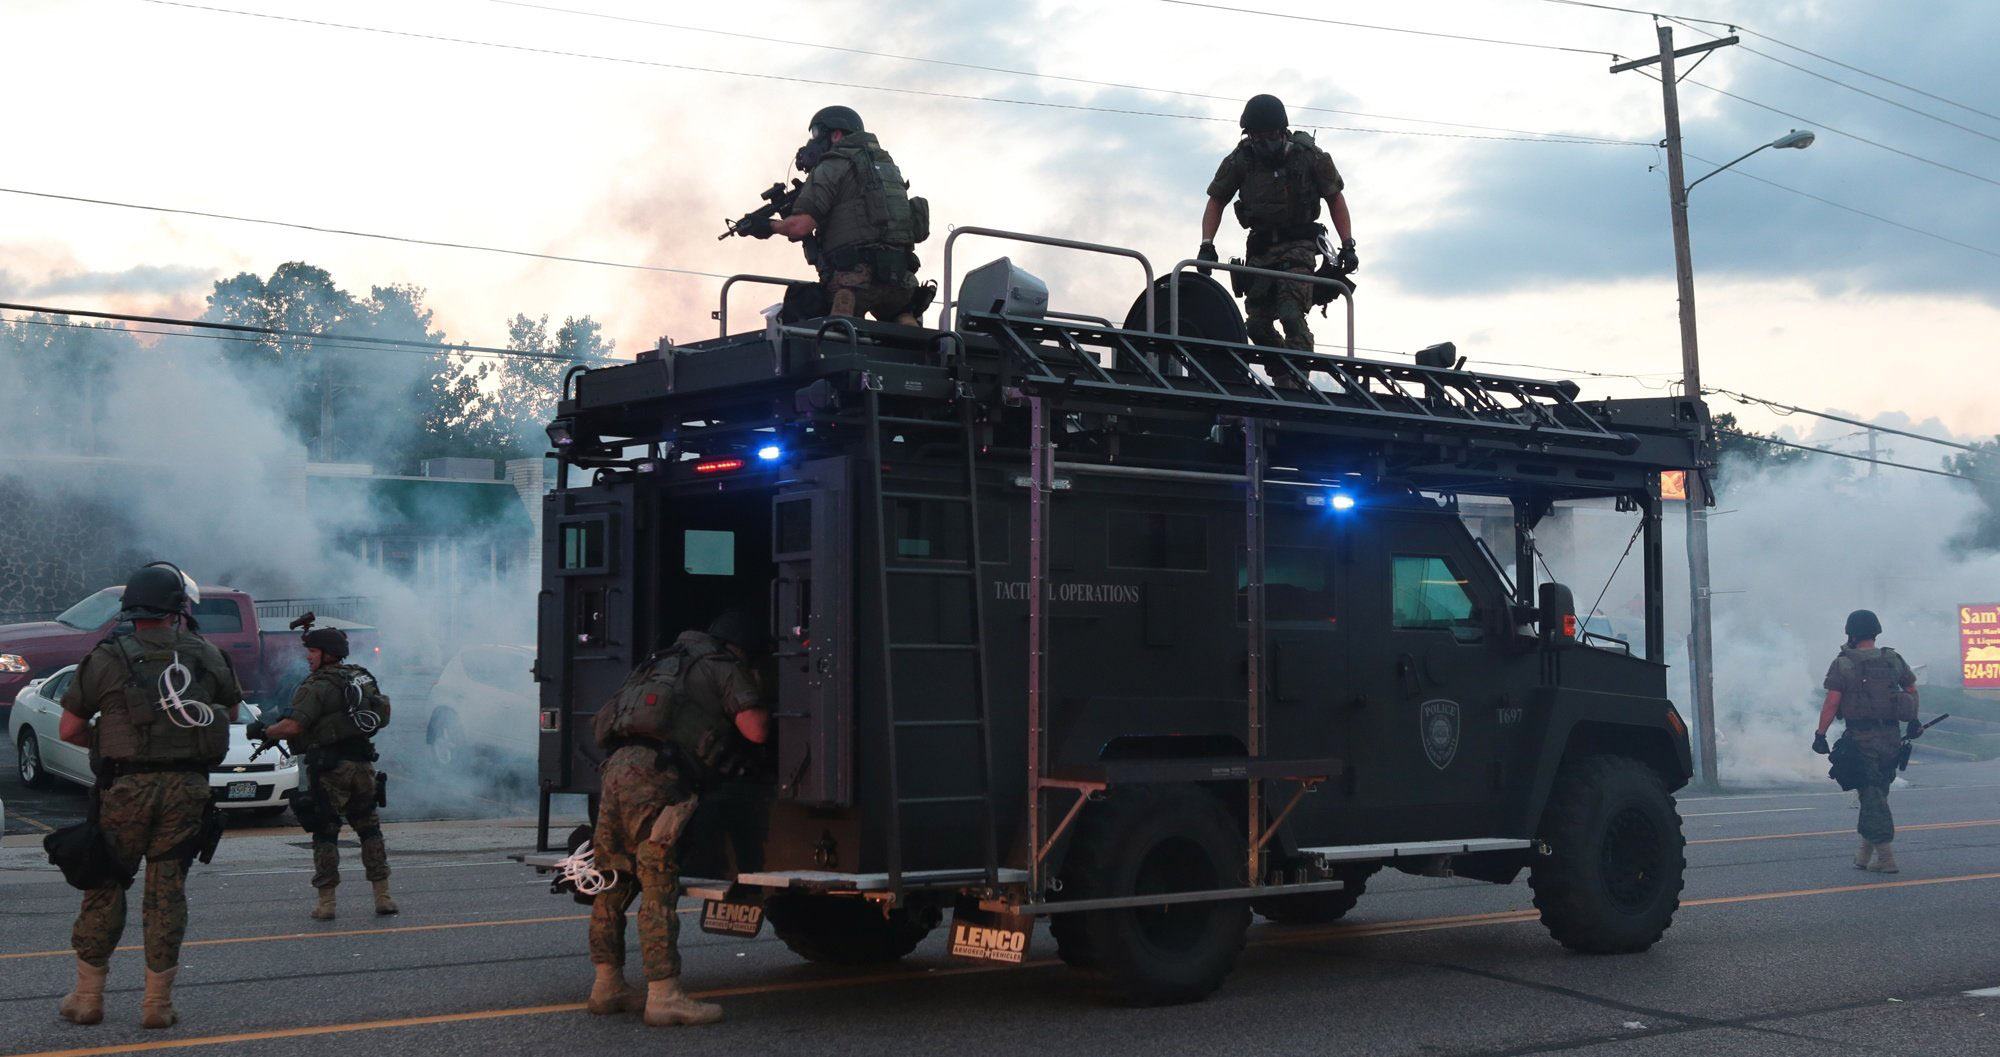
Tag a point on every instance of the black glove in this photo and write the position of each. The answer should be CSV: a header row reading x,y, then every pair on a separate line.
x,y
757,227
1345,260
1819,743
255,730
1206,253
1913,730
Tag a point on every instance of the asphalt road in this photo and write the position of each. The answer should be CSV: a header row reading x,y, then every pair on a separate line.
x,y
1781,948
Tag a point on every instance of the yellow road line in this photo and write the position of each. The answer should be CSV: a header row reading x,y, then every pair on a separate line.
x,y
35,822
1338,932
326,935
1849,832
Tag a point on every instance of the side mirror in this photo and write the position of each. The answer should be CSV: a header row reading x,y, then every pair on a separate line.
x,y
1558,616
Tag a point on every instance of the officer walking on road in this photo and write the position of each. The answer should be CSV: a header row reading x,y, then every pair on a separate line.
x,y
1279,178
164,699
666,732
862,224
1871,689
334,716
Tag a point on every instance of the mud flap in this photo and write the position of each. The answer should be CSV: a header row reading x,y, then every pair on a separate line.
x,y
740,912
989,936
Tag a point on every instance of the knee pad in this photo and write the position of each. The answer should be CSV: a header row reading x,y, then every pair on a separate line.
x,y
371,832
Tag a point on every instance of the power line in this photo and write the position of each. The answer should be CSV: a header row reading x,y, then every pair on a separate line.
x,y
438,350
1857,212
1876,76
1788,409
276,332
1858,458
793,79
1556,137
361,234
1393,29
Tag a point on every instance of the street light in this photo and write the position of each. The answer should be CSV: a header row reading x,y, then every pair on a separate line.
x,y
1793,140
1701,644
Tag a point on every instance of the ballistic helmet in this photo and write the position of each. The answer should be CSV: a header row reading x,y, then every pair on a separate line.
x,y
158,589
1863,624
738,628
1264,112
836,118
330,641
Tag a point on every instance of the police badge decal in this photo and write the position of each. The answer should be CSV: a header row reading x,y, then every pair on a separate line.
x,y
1439,719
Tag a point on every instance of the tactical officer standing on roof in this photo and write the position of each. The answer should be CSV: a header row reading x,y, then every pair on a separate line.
x,y
1279,178
859,224
335,713
164,699
1872,689
667,734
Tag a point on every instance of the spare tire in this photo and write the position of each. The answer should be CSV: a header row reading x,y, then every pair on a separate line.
x,y
1208,310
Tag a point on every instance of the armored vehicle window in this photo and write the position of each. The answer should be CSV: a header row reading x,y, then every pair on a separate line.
x,y
933,530
794,526
1146,540
583,545
708,553
1295,585
219,615
1429,593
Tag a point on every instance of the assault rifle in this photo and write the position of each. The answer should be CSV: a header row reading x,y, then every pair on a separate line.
x,y
1903,758
777,198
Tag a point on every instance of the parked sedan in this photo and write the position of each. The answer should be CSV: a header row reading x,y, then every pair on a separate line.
x,y
485,702
43,757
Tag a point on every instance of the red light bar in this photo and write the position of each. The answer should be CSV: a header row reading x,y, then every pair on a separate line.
x,y
718,465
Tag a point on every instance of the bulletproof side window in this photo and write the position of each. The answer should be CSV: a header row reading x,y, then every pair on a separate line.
x,y
1296,585
1429,593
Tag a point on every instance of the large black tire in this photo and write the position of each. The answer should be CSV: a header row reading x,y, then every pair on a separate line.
x,y
1318,908
1148,839
1613,876
847,930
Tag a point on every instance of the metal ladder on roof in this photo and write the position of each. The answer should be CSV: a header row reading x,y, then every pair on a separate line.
x,y
1106,364
902,723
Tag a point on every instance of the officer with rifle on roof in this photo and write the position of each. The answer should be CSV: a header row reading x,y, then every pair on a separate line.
x,y
857,222
1279,178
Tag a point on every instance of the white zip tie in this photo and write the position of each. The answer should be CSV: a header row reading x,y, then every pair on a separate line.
x,y
186,713
581,872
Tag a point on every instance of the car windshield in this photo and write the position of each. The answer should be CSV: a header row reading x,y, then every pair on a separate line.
x,y
91,613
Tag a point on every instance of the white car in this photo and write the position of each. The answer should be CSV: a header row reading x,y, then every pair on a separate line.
x,y
485,701
238,784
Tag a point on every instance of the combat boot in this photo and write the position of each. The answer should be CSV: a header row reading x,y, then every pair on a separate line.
x,y
383,904
157,1011
668,1006
611,994
1885,860
323,910
85,1003
1861,857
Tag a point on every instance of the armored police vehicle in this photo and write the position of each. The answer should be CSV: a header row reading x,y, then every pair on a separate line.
x,y
1136,627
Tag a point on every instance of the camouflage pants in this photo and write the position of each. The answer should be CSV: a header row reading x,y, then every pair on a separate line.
x,y
641,812
144,816
349,791
1272,300
854,292
1879,751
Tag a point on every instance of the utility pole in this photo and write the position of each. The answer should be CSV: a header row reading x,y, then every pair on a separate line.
x,y
1701,642
1873,466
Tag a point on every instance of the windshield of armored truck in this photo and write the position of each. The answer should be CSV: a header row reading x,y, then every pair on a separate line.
x,y
91,613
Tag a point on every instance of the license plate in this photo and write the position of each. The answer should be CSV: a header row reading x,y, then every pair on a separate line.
x,y
242,791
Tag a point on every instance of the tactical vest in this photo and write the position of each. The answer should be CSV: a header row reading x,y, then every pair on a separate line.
x,y
1285,198
363,708
135,727
883,213
1873,691
655,705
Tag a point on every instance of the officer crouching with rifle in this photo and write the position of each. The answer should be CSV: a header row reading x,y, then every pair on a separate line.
x,y
857,223
334,714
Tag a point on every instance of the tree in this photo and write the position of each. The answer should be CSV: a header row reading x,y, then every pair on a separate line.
x,y
1983,466
1737,447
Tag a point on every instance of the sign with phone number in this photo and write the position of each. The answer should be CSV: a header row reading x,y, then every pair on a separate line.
x,y
1979,645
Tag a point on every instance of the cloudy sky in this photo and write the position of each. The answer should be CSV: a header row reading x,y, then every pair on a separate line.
x,y
551,128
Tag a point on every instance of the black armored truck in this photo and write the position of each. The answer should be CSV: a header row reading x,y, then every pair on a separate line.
x,y
1136,627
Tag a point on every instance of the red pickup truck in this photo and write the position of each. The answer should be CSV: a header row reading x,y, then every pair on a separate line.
x,y
268,658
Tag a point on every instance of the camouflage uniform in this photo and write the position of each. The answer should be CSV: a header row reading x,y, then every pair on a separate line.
x,y
866,266
154,816
339,760
1280,208
643,806
1874,731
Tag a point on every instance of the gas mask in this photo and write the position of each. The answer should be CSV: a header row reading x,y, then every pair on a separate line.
x,y
1269,151
814,151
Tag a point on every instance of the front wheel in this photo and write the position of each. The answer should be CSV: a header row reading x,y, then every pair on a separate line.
x,y
1318,908
28,761
1147,841
1612,878
446,738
